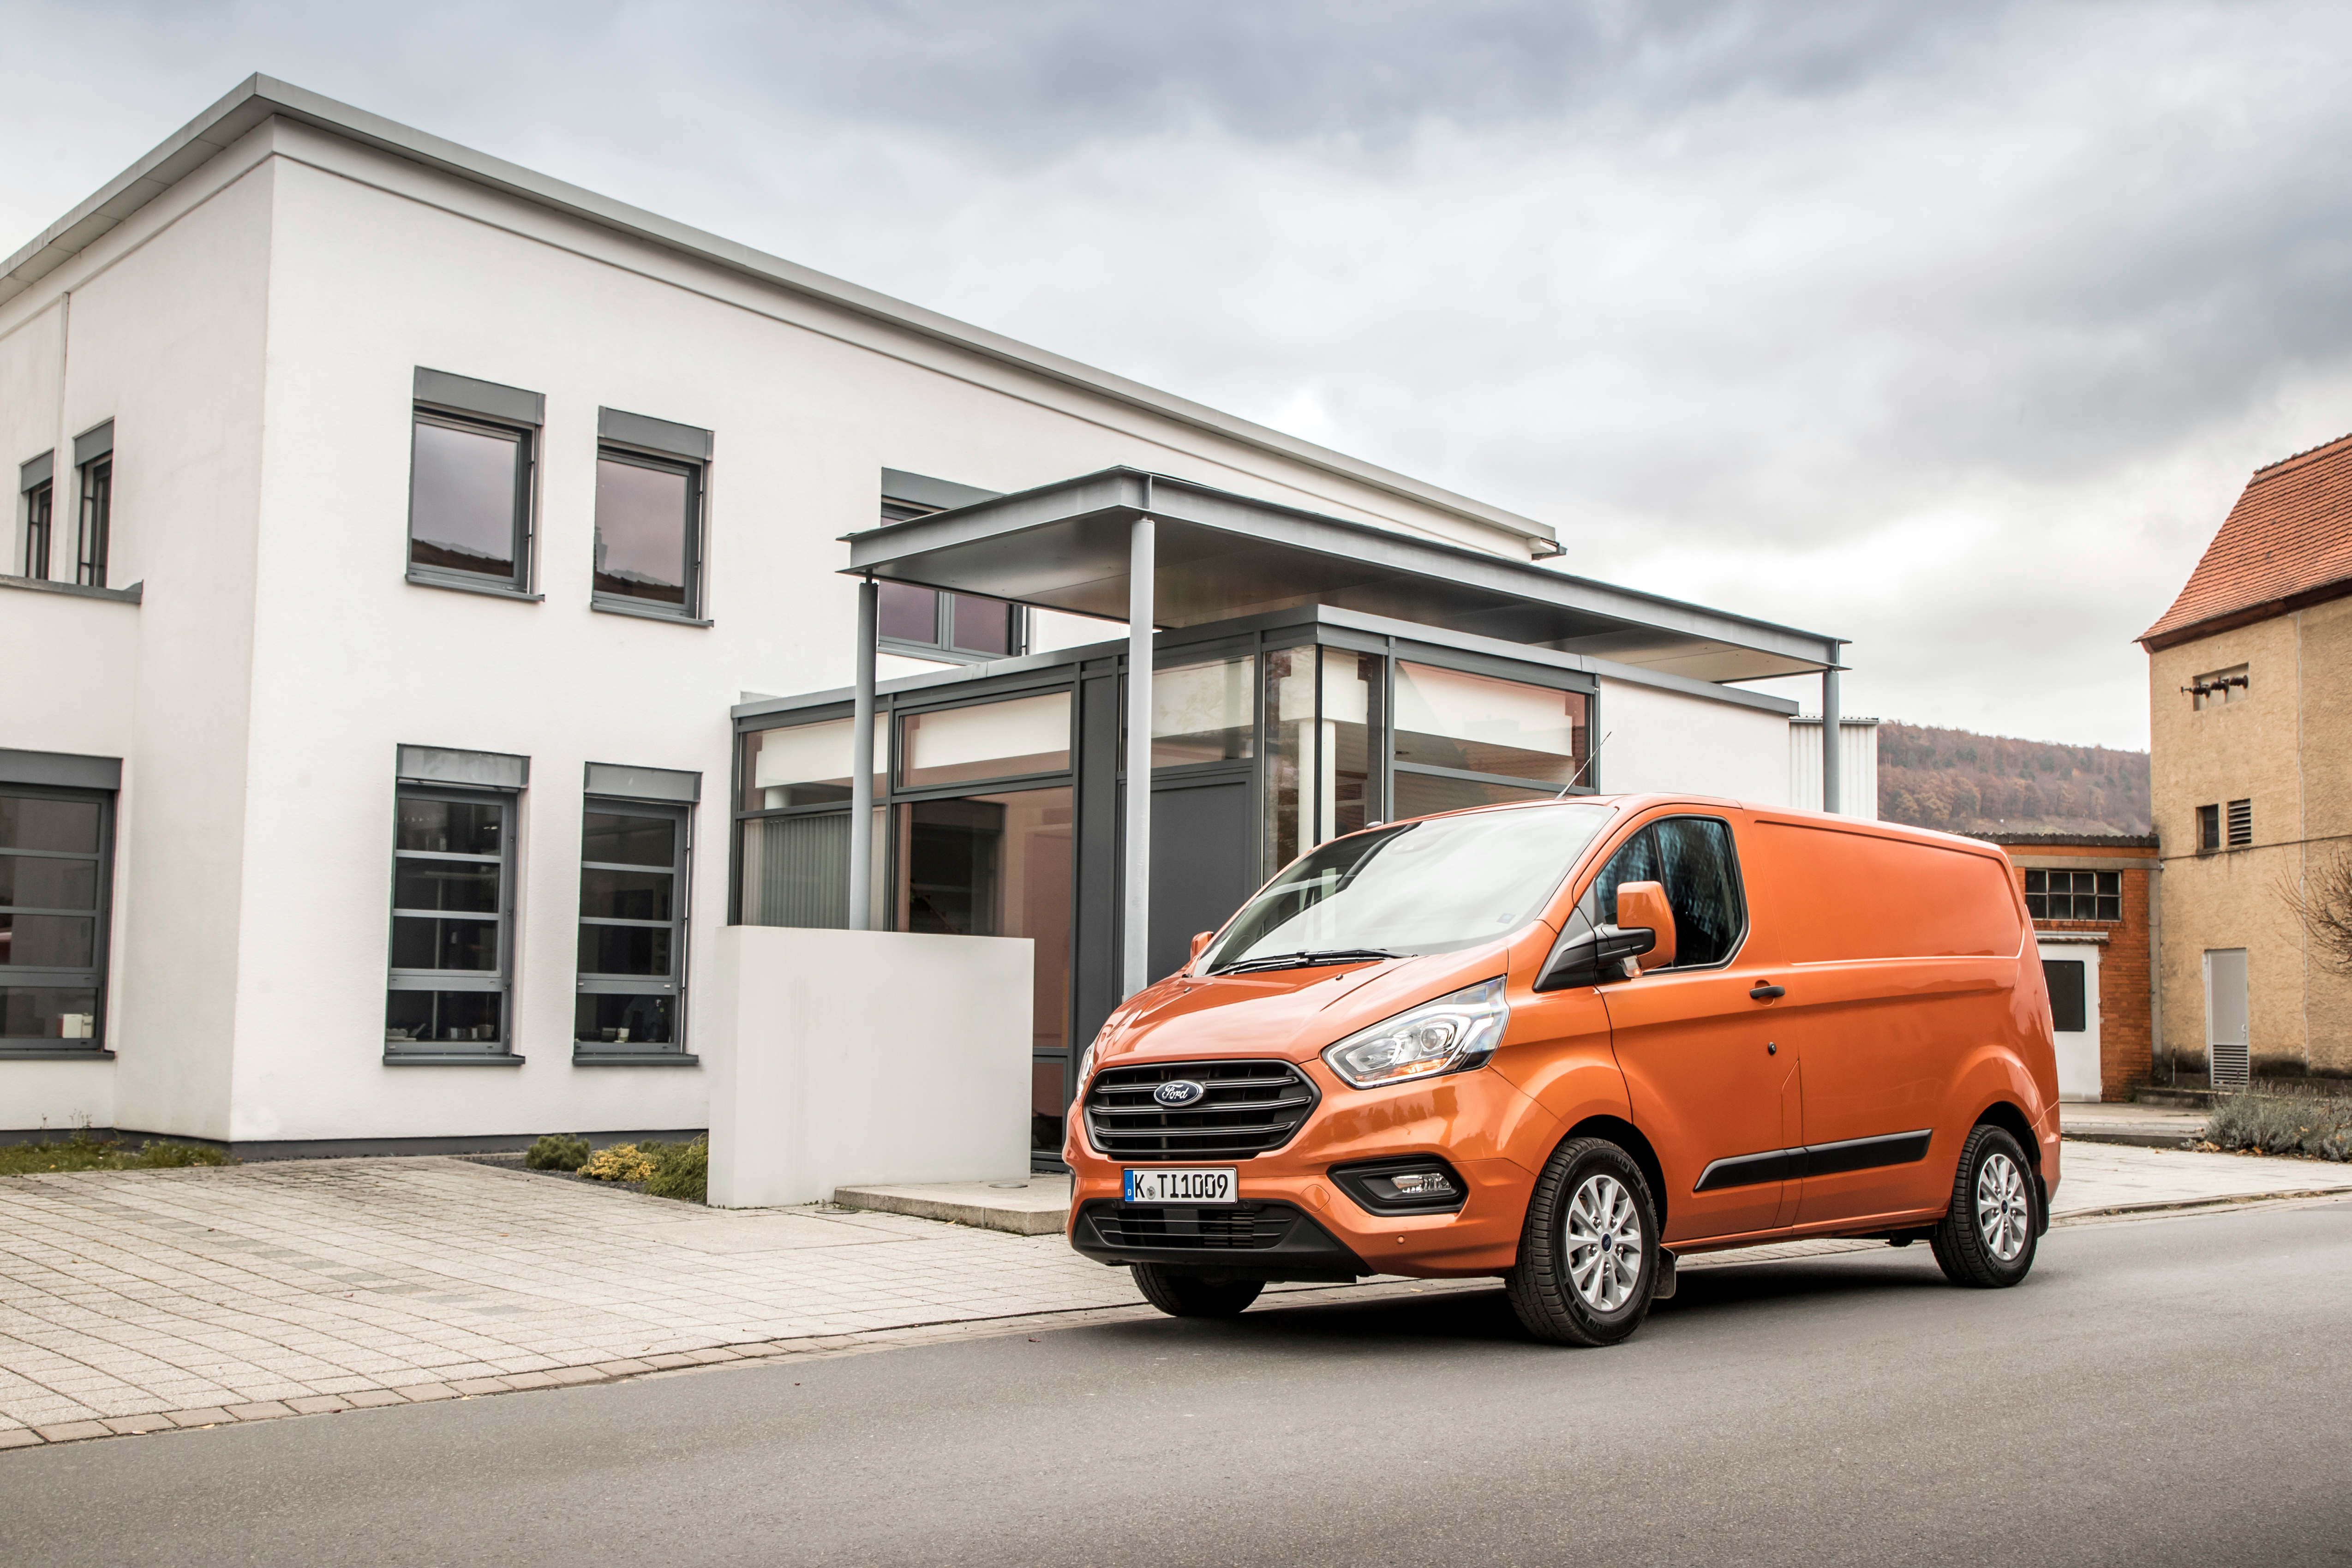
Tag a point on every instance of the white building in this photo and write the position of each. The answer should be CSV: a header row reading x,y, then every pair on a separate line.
x,y
398,528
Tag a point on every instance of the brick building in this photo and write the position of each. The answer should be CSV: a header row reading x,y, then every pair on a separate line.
x,y
2094,922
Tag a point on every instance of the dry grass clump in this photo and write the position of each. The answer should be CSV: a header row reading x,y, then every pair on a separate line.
x,y
2317,1125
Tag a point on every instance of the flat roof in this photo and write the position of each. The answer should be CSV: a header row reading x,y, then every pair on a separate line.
x,y
259,98
1221,556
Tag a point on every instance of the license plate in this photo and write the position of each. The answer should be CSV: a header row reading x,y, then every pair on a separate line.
x,y
1198,1184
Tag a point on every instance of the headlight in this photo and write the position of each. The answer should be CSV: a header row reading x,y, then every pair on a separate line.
x,y
1453,1033
1085,1064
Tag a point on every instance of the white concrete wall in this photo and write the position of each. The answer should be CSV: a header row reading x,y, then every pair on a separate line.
x,y
847,1057
32,376
165,334
1857,767
1663,740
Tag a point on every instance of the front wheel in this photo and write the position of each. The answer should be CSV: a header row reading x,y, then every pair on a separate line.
x,y
1190,1295
1986,1238
1588,1251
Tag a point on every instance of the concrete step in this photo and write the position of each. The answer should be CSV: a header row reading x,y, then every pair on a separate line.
x,y
1026,1206
2146,1126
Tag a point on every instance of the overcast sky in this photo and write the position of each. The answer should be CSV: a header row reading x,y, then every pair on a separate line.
x,y
1953,330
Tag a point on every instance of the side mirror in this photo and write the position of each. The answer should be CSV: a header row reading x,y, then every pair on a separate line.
x,y
1201,940
1596,956
1645,904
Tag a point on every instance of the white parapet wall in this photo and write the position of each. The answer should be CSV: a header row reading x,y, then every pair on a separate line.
x,y
841,1057
1857,765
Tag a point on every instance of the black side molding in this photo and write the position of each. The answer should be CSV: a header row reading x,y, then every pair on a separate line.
x,y
1815,1160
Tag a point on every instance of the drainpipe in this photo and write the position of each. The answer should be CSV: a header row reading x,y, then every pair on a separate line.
x,y
1136,926
1832,797
861,762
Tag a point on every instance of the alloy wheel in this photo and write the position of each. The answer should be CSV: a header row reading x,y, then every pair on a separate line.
x,y
1604,1243
2004,1215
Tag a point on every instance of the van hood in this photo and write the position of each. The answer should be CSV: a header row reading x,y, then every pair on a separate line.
x,y
1288,1013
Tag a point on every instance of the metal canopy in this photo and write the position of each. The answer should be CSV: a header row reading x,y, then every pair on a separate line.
x,y
1068,546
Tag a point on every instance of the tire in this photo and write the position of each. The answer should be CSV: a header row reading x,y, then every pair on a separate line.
x,y
1591,1209
1986,1240
1190,1295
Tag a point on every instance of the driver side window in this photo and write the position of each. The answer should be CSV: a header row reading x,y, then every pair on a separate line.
x,y
1692,858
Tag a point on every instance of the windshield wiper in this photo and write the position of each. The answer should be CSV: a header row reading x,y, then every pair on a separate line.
x,y
1308,960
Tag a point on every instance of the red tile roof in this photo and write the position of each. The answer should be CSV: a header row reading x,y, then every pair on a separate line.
x,y
2286,543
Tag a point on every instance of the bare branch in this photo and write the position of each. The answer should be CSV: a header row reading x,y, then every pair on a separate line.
x,y
2322,903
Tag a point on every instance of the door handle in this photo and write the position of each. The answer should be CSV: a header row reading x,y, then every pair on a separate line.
x,y
1764,991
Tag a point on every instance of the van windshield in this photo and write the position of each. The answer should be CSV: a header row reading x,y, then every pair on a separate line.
x,y
1436,886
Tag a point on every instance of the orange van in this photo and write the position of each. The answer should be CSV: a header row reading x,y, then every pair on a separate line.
x,y
1567,1042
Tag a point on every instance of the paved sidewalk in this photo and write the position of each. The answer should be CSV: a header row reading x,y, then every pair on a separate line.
x,y
136,1300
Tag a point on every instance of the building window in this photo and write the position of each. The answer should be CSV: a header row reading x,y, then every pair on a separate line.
x,y
2219,688
469,500
2069,995
470,482
2242,824
954,628
54,892
1475,740
2208,829
96,521
34,483
632,891
2075,895
451,922
648,532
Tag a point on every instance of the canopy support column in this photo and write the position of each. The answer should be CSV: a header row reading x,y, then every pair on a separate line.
x,y
1135,915
861,762
1832,795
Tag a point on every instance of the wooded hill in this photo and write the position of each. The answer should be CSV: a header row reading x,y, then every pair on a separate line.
x,y
1966,782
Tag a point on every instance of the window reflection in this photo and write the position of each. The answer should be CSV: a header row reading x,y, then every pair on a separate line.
x,y
466,497
1321,710
1479,724
988,740
646,517
1202,712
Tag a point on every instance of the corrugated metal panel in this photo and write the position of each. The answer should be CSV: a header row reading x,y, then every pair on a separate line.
x,y
796,871
1857,765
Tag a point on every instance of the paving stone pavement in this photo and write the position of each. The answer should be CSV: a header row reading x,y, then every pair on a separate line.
x,y
132,1300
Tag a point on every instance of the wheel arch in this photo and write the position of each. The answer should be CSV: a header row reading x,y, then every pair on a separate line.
x,y
1628,1137
2012,1118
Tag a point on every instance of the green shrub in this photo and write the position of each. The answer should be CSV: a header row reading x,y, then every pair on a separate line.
x,y
557,1151
2283,1124
679,1170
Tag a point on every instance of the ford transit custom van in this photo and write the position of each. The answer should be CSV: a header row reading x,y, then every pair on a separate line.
x,y
1566,1043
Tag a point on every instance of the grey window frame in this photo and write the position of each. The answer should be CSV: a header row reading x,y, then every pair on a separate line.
x,y
942,650
93,978
681,908
94,537
694,523
501,982
37,482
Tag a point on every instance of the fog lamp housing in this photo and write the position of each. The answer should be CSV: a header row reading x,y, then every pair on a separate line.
x,y
1406,1184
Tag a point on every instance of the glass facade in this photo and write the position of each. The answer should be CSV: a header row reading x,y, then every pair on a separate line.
x,y
982,791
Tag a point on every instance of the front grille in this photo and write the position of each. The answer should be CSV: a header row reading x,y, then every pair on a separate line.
x,y
1240,1227
1250,1108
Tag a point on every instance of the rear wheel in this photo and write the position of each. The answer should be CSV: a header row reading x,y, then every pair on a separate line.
x,y
1190,1295
1588,1251
1986,1240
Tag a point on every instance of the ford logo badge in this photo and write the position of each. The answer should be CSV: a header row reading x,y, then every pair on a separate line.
x,y
1178,1091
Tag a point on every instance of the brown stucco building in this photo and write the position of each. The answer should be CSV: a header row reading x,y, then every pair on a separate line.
x,y
2250,699
2094,921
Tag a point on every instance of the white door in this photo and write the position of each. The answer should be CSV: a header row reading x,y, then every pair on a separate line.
x,y
2072,969
2225,1016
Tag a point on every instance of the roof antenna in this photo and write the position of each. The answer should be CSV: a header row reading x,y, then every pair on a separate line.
x,y
1592,757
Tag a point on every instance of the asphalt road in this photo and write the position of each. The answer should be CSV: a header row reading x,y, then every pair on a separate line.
x,y
2160,1391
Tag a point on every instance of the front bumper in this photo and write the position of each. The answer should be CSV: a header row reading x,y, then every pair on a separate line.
x,y
1475,1120
1239,1241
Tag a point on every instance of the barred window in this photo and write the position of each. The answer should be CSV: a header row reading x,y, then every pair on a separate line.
x,y
2075,895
